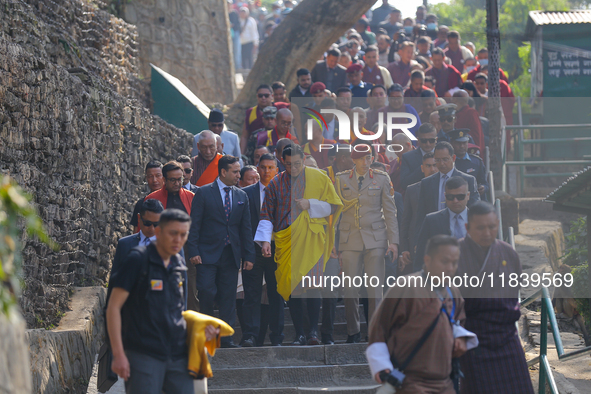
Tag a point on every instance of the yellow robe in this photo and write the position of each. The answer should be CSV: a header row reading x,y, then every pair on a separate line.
x,y
196,323
299,247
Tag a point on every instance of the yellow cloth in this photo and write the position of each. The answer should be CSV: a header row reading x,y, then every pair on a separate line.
x,y
196,323
253,114
299,247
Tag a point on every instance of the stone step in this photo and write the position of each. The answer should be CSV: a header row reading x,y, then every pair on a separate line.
x,y
288,356
340,332
300,390
350,375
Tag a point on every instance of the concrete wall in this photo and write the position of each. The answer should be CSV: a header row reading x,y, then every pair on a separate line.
x,y
76,138
189,39
15,377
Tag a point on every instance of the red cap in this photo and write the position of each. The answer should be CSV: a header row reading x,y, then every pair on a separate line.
x,y
354,67
360,153
317,87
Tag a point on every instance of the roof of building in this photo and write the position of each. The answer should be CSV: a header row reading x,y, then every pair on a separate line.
x,y
574,195
541,18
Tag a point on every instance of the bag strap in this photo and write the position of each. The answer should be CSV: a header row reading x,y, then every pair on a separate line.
x,y
418,347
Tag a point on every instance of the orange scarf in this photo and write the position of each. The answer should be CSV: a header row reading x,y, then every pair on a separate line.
x,y
162,196
210,173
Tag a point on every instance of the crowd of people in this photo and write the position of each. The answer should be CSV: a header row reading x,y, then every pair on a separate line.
x,y
249,224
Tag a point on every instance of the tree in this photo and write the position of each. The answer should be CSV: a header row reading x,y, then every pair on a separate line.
x,y
299,41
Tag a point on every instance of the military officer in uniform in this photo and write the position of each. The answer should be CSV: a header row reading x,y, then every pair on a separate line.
x,y
467,162
368,229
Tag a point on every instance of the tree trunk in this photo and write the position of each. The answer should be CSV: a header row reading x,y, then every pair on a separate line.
x,y
299,41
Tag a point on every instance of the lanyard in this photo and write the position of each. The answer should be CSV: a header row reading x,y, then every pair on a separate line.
x,y
453,308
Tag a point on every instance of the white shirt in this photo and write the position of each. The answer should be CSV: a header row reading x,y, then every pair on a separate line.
x,y
452,220
143,239
188,186
302,90
222,185
262,191
442,196
423,152
329,132
250,32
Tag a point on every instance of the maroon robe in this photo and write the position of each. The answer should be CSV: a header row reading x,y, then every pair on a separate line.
x,y
446,78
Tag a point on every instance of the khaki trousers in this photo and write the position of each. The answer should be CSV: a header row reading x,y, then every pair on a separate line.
x,y
355,264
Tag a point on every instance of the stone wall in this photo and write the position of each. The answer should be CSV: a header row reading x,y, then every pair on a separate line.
x,y
189,39
76,143
15,376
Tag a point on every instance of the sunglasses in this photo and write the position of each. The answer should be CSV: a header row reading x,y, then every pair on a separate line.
x,y
188,170
148,223
263,95
451,197
447,119
428,140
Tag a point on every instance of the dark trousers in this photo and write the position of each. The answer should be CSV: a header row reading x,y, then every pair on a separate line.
x,y
247,62
149,375
218,282
296,309
251,308
329,300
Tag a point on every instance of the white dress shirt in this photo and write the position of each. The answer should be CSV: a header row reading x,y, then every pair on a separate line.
x,y
222,185
145,241
262,193
188,186
441,189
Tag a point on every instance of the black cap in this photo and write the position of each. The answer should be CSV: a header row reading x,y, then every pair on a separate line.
x,y
459,135
446,109
216,116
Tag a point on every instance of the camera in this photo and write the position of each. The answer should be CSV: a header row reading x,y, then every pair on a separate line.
x,y
394,378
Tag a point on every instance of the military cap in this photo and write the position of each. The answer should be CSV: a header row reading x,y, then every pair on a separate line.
x,y
269,112
446,109
354,68
459,135
317,87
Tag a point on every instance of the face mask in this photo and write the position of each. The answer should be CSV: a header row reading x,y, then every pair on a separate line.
x,y
431,26
483,62
408,29
468,69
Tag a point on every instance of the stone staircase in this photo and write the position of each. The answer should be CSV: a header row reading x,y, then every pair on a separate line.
x,y
339,368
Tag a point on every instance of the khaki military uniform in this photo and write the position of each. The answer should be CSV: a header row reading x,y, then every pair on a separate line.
x,y
368,224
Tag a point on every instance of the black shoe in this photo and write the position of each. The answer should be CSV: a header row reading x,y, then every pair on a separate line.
x,y
327,340
313,339
248,343
276,344
299,341
354,338
229,345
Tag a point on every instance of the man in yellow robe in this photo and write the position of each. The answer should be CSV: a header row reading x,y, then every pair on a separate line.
x,y
297,205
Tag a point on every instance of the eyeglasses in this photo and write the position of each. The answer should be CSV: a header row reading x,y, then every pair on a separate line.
x,y
447,119
188,170
451,197
216,124
263,95
174,180
428,140
148,223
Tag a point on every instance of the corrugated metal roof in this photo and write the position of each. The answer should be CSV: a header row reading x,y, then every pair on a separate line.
x,y
574,193
560,17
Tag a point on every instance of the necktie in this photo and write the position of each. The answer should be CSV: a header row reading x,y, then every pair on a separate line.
x,y
146,241
442,193
458,228
360,182
227,209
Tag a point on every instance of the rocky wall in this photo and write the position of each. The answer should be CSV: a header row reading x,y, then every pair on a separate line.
x,y
79,147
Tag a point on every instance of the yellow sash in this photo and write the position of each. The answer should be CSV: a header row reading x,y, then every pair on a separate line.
x,y
299,247
253,114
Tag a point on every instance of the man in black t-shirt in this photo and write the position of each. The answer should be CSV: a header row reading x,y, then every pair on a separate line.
x,y
155,181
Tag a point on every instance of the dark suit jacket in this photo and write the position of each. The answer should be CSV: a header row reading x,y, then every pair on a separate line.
x,y
410,168
435,223
429,195
409,215
399,202
194,188
124,245
254,204
319,74
296,93
209,226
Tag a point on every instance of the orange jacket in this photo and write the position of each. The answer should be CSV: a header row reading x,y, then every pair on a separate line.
x,y
162,196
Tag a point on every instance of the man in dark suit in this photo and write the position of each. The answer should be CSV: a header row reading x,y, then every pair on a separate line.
x,y
409,216
449,221
253,280
302,89
219,239
410,171
329,72
432,195
187,164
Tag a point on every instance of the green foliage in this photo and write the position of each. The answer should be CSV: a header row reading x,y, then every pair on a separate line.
x,y
15,209
576,243
581,292
469,18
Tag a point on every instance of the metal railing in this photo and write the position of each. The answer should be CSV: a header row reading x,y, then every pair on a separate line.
x,y
520,152
547,314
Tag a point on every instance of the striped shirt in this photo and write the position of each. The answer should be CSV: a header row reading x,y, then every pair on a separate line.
x,y
277,207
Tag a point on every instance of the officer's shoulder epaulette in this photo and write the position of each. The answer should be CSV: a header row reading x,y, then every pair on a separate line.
x,y
344,172
475,156
380,172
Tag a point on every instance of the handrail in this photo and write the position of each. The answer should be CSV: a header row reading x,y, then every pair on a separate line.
x,y
548,126
498,211
549,315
